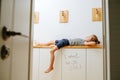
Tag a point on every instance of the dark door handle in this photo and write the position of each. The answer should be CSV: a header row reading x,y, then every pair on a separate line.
x,y
6,34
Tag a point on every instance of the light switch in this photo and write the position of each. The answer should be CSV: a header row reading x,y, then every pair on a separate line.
x,y
64,16
96,14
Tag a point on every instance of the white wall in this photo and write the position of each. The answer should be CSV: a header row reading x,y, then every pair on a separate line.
x,y
80,22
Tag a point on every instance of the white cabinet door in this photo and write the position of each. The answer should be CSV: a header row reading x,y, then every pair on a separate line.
x,y
73,64
44,61
35,65
94,64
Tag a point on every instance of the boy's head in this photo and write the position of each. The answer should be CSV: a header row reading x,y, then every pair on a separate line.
x,y
92,38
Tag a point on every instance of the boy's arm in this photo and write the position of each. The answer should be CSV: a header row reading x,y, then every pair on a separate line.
x,y
90,43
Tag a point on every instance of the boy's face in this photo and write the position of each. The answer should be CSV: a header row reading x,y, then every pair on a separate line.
x,y
88,38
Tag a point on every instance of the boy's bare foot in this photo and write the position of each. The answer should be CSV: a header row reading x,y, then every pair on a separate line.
x,y
49,69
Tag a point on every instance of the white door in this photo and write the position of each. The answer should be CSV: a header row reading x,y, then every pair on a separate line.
x,y
5,19
15,15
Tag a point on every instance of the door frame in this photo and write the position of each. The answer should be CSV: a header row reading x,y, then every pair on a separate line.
x,y
106,40
30,63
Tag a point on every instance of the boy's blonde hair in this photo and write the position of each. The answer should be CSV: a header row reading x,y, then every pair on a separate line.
x,y
95,39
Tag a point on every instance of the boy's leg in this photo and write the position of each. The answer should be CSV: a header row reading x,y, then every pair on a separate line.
x,y
52,57
46,44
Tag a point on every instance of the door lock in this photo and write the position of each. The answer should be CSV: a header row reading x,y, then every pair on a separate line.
x,y
4,52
